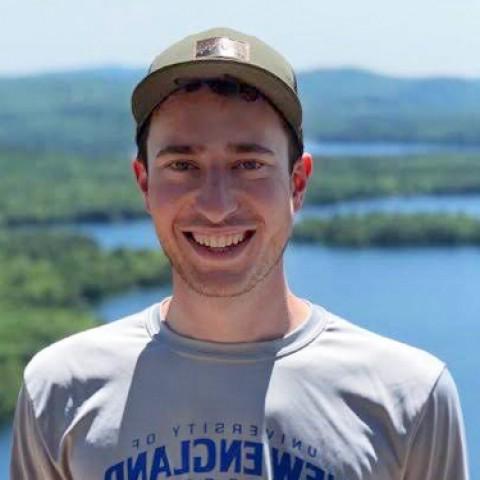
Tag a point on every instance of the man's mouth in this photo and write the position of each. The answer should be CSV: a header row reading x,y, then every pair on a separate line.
x,y
219,243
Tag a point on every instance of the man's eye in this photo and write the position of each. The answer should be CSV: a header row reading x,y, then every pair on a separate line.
x,y
249,165
181,165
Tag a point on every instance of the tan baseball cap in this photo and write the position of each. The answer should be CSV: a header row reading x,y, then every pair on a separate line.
x,y
216,53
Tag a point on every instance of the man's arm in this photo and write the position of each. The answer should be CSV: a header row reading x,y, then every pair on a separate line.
x,y
438,448
30,457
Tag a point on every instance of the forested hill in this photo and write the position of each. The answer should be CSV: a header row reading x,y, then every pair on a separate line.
x,y
88,111
348,104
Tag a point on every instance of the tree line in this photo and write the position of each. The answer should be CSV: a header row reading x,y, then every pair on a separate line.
x,y
49,285
52,187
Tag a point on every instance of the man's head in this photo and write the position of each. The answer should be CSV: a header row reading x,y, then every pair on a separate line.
x,y
226,87
221,54
222,184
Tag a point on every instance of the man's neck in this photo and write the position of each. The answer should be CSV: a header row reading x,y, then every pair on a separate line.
x,y
266,312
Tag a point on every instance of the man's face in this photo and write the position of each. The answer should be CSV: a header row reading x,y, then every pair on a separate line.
x,y
219,191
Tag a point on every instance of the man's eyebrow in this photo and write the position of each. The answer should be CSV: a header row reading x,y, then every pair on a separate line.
x,y
194,149
249,148
179,150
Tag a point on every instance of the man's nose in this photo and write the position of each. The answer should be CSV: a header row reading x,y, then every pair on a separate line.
x,y
216,198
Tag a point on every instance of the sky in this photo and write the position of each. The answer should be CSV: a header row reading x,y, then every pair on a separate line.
x,y
402,37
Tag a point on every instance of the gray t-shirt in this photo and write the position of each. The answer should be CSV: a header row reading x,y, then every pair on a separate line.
x,y
133,400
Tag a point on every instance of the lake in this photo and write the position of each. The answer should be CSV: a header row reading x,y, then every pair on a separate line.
x,y
140,233
384,149
428,297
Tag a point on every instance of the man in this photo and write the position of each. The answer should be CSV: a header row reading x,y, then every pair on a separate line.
x,y
233,376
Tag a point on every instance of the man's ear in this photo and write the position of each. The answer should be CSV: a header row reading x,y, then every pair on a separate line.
x,y
141,178
302,169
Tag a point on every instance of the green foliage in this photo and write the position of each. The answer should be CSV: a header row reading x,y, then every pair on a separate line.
x,y
356,105
344,178
48,284
88,112
60,188
25,330
390,230
57,188
85,112
64,269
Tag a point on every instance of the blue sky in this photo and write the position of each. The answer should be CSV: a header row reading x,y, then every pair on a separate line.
x,y
407,37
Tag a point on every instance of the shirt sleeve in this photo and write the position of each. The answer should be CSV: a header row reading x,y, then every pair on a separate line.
x,y
30,457
438,448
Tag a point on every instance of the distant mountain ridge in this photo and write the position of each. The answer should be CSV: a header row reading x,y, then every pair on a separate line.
x,y
88,111
357,105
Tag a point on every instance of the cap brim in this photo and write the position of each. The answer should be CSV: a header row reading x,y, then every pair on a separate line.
x,y
156,86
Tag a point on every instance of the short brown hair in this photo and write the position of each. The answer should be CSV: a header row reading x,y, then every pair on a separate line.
x,y
225,87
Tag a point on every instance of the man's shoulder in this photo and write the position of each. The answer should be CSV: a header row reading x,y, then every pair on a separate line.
x,y
93,352
373,346
372,371
379,359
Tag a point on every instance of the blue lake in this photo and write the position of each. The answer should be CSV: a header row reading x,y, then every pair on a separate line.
x,y
428,297
451,204
384,149
141,234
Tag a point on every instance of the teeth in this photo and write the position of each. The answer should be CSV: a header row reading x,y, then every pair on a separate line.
x,y
218,241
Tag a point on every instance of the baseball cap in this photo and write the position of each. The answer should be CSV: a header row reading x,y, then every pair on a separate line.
x,y
216,53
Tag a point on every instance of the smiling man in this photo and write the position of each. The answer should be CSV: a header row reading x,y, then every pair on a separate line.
x,y
233,376
221,190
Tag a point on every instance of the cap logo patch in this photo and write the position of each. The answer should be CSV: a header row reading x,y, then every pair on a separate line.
x,y
222,47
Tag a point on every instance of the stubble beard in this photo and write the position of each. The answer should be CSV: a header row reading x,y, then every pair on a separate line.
x,y
272,256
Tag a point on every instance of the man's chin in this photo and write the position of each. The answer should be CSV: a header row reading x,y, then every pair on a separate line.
x,y
219,289
225,283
